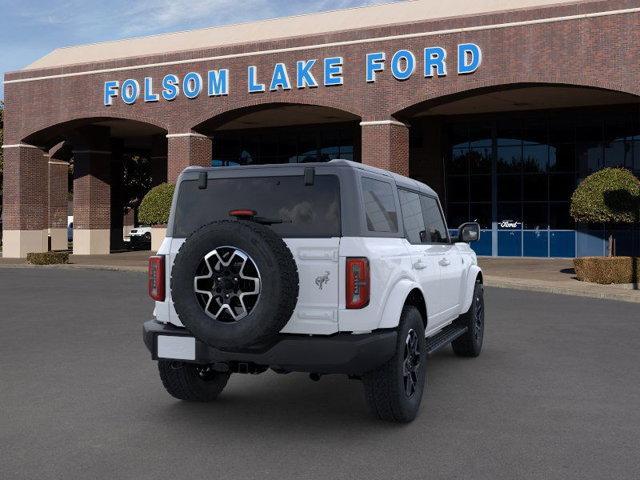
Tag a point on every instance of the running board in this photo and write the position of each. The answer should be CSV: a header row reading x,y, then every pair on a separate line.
x,y
444,337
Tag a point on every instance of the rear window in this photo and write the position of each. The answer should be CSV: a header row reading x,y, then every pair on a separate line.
x,y
305,210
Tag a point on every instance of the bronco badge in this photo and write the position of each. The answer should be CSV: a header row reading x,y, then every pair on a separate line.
x,y
322,279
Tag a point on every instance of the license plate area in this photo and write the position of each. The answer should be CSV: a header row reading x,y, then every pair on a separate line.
x,y
176,348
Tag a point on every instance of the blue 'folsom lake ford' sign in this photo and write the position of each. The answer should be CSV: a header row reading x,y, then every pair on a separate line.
x,y
310,73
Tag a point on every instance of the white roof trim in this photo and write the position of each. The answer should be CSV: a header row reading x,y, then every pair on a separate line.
x,y
190,134
20,145
383,122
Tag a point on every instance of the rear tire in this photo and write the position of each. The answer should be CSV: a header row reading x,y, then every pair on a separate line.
x,y
470,344
193,383
394,391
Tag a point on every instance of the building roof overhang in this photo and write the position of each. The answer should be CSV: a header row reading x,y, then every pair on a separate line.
x,y
280,28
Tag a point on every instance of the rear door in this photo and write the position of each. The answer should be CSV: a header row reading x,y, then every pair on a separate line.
x,y
317,308
305,214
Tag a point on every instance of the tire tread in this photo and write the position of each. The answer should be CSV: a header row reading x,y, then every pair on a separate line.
x,y
383,394
464,345
184,383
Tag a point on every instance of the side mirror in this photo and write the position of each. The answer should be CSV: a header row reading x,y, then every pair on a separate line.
x,y
469,232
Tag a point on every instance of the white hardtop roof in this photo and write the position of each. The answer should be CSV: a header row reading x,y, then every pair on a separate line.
x,y
273,29
400,180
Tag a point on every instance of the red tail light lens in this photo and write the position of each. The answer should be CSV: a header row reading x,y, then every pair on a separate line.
x,y
242,213
358,282
156,278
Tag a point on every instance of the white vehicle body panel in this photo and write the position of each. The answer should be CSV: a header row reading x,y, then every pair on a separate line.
x,y
443,274
139,231
321,308
389,263
317,310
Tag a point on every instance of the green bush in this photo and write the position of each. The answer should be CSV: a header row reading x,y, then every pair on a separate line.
x,y
611,195
607,270
156,204
48,258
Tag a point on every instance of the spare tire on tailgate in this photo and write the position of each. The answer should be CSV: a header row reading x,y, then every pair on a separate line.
x,y
234,284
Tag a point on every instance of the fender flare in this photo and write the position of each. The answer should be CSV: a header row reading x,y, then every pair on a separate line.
x,y
472,275
395,302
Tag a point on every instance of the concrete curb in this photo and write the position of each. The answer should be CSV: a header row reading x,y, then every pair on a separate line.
x,y
75,266
602,292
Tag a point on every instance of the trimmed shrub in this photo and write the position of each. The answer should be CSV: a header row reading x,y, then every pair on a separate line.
x,y
611,195
156,204
607,270
48,258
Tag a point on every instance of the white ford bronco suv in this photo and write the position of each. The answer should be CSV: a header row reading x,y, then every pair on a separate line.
x,y
322,268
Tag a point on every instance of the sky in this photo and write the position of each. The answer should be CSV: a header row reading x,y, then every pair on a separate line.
x,y
29,29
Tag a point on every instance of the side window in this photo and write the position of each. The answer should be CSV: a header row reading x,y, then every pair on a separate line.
x,y
433,220
379,206
412,216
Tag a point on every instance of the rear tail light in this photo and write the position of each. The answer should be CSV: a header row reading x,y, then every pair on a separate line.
x,y
358,282
156,278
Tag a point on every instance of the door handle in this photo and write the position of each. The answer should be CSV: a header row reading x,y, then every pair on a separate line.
x,y
419,265
444,262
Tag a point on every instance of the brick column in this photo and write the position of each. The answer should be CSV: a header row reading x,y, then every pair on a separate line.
x,y
58,191
158,160
117,208
187,149
91,202
385,144
25,210
91,191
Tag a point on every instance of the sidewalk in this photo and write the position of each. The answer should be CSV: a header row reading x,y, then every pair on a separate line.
x,y
551,276
135,261
538,275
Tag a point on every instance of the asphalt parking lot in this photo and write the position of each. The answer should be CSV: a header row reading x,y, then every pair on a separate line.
x,y
554,395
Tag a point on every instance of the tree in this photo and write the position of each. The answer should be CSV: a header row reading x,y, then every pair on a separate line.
x,y
136,179
156,205
611,195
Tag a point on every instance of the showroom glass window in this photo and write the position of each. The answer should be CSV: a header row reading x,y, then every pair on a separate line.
x,y
298,144
519,169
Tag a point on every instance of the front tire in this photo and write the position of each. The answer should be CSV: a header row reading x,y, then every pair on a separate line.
x,y
394,391
470,344
193,383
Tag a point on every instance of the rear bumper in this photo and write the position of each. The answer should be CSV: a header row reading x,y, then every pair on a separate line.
x,y
340,353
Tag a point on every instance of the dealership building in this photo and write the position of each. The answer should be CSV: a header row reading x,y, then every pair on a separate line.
x,y
501,106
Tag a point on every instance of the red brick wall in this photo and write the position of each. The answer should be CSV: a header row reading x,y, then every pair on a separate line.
x,y
185,151
25,189
386,146
599,52
92,190
58,188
